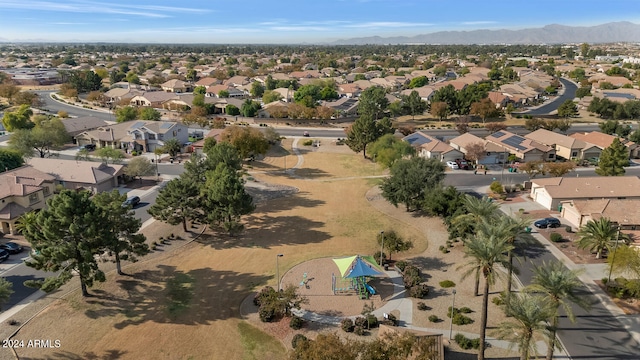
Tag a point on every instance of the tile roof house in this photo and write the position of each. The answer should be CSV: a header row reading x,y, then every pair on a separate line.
x,y
208,81
523,148
566,147
429,147
425,92
625,212
138,135
494,154
153,99
176,86
75,126
76,175
550,192
603,141
22,190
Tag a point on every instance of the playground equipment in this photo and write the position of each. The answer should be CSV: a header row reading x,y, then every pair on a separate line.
x,y
355,274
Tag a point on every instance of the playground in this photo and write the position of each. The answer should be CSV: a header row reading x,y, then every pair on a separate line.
x,y
319,287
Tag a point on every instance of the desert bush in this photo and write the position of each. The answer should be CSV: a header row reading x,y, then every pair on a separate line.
x,y
422,306
307,143
447,284
555,237
391,320
569,229
296,322
459,319
347,325
299,340
419,291
360,321
359,330
434,318
466,343
401,265
376,256
465,310
443,249
372,321
267,314
496,187
411,276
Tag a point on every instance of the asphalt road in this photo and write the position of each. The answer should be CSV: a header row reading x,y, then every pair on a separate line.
x,y
569,93
15,271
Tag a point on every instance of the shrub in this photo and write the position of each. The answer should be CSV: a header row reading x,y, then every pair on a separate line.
x,y
569,229
466,343
347,325
299,340
555,237
496,187
411,276
296,322
401,265
419,291
360,321
459,319
307,143
434,318
465,310
422,306
447,284
443,249
267,314
359,330
376,257
372,321
391,320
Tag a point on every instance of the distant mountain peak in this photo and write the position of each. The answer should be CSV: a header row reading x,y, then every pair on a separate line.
x,y
621,31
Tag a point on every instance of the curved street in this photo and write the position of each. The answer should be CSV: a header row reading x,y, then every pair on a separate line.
x,y
568,93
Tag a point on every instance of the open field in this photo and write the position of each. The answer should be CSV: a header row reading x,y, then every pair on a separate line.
x,y
185,303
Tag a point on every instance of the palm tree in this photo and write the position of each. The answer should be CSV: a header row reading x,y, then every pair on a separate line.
x,y
560,285
597,235
530,314
510,228
486,252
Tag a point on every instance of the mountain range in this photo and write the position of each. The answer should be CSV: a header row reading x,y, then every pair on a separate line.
x,y
551,34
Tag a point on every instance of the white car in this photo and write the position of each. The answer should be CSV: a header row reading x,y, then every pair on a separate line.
x,y
452,165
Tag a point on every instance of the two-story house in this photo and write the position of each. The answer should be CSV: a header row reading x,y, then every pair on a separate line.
x,y
22,190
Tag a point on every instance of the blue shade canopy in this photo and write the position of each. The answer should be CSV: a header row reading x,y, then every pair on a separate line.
x,y
360,268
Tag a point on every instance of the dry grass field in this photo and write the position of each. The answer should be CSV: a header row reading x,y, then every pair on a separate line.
x,y
184,303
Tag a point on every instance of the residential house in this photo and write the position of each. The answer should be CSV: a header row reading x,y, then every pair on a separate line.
x,y
208,81
76,126
566,147
494,154
268,109
425,92
80,175
603,141
624,212
345,106
198,146
429,147
236,81
550,192
524,149
22,190
153,99
286,93
349,90
138,135
176,86
117,94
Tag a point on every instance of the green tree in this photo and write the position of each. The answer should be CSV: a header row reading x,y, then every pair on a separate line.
x,y
139,167
372,103
148,113
69,235
613,159
361,133
270,96
393,242
561,287
411,180
19,119
635,136
440,110
123,241
583,91
47,135
414,104
177,202
209,143
126,113
224,94
486,252
107,154
526,323
418,81
6,289
10,159
625,260
568,109
225,198
247,141
199,90
597,236
172,147
249,108
484,108
232,110
257,89
388,149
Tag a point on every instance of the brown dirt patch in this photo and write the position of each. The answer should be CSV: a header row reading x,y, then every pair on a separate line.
x,y
629,306
568,246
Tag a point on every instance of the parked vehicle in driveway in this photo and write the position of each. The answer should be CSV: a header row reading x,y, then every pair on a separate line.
x,y
11,247
452,165
462,164
547,222
4,255
131,201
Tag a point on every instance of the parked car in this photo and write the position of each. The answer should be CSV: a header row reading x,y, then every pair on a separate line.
x,y
131,201
462,164
89,147
11,247
547,222
452,165
4,255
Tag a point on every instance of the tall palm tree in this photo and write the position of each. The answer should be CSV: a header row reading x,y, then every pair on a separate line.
x,y
478,210
510,228
560,285
529,314
597,235
486,252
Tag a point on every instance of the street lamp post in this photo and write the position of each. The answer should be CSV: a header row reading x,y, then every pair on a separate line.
x,y
453,304
278,270
157,172
381,245
613,258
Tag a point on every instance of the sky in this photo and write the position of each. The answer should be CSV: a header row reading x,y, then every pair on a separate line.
x,y
286,21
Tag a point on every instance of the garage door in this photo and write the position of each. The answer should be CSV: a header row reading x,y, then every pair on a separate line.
x,y
543,198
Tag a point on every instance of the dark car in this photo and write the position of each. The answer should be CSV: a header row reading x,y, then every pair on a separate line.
x,y
131,201
462,164
4,255
89,147
547,222
11,247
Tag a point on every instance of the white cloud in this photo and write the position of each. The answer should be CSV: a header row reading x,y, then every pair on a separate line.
x,y
151,11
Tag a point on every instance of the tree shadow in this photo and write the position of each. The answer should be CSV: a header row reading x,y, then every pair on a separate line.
x,y
309,173
427,263
167,295
265,193
90,355
528,247
20,291
295,200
